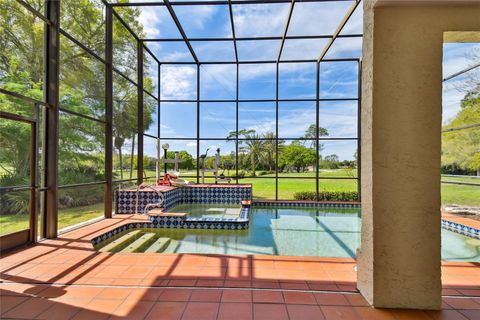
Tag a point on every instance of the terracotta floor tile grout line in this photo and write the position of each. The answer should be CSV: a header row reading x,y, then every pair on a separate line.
x,y
181,287
252,289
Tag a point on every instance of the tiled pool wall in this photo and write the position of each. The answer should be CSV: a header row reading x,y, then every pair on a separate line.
x,y
461,229
183,222
307,204
126,199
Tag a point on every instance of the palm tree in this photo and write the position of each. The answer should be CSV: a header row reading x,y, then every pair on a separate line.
x,y
251,144
270,149
311,134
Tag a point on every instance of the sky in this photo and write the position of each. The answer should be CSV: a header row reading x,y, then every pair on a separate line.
x,y
296,81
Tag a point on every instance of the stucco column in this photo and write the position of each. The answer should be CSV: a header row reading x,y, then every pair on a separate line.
x,y
399,258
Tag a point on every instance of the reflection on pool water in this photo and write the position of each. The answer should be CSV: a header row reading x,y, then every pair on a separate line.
x,y
208,210
325,232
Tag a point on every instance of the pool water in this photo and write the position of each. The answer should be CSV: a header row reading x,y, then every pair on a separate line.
x,y
325,232
208,210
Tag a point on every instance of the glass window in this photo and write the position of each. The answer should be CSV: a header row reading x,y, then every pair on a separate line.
x,y
85,22
296,158
338,159
178,82
296,119
124,50
187,151
213,51
80,204
21,50
150,146
257,81
82,81
150,115
256,20
205,21
217,119
218,82
338,185
81,154
150,73
15,144
288,189
124,155
178,120
257,116
297,80
339,119
338,80
15,211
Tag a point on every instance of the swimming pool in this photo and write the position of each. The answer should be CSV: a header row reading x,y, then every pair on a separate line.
x,y
222,211
326,232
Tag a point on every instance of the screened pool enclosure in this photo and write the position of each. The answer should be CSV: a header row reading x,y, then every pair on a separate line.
x,y
91,90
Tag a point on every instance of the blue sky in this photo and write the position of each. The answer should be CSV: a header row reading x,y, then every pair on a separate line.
x,y
338,80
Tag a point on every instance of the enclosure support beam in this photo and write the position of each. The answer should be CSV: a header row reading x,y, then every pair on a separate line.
x,y
198,123
359,132
140,112
339,29
52,55
236,124
276,129
317,124
285,31
108,111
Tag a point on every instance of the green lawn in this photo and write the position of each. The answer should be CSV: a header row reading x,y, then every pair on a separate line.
x,y
66,217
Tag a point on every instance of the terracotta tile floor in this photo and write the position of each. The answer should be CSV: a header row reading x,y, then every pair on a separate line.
x,y
65,278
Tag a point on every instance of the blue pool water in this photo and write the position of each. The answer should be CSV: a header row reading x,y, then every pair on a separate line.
x,y
325,232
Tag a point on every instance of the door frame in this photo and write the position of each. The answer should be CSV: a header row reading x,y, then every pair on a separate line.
x,y
29,235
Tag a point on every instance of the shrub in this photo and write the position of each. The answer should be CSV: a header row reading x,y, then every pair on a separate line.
x,y
241,174
327,196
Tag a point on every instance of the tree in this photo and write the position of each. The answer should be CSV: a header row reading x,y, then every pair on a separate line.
x,y
311,134
187,164
81,141
461,148
81,78
297,156
252,145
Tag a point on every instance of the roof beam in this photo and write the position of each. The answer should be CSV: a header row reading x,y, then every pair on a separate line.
x,y
211,3
253,38
287,24
180,28
339,29
459,73
230,10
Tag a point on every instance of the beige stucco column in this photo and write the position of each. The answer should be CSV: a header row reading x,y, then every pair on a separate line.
x,y
399,258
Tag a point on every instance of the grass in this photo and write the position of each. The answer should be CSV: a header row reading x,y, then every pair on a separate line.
x,y
66,217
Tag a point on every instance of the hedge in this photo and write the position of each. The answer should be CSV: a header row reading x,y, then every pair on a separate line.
x,y
327,196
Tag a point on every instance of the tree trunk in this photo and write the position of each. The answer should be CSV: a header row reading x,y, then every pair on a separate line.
x,y
131,157
253,164
120,159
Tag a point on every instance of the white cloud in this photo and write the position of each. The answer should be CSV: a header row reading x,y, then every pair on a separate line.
x,y
178,82
150,19
260,19
317,17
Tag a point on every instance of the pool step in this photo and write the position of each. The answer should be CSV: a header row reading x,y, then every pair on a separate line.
x,y
139,242
159,245
172,247
118,242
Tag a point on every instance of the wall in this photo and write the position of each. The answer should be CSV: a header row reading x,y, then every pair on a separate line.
x,y
399,259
